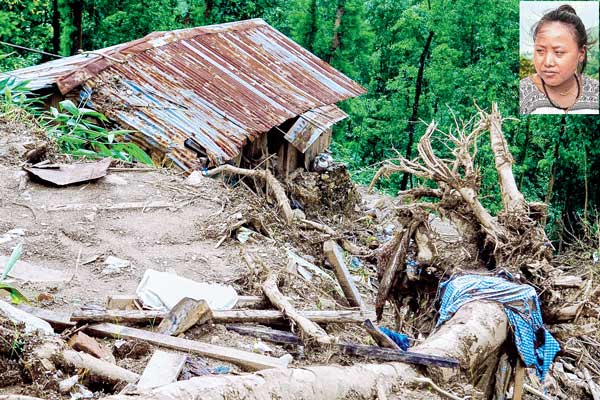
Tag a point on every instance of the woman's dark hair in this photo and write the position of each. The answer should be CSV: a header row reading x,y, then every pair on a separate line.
x,y
567,15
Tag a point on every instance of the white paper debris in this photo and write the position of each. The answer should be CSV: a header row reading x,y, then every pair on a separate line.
x,y
162,291
114,265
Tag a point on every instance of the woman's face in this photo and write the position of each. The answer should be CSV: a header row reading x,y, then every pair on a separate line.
x,y
556,54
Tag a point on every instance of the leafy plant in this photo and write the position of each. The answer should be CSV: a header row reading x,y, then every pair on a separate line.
x,y
15,96
15,295
76,132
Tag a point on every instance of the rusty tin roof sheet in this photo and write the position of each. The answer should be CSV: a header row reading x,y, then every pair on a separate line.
x,y
312,124
220,85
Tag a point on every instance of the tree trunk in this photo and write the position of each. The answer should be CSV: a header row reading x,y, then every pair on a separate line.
x,y
208,7
524,151
336,40
55,27
413,117
77,33
555,155
312,30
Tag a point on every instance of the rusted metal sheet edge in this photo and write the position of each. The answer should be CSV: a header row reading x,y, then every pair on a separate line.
x,y
311,124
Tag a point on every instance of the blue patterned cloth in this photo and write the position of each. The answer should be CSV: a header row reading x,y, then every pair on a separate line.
x,y
535,344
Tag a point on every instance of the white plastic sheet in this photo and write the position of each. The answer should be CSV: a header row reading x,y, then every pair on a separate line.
x,y
163,290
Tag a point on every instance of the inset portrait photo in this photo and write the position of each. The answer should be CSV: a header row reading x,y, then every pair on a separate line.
x,y
558,57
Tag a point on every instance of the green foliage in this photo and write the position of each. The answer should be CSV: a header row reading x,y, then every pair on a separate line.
x,y
526,67
77,133
25,23
15,97
15,295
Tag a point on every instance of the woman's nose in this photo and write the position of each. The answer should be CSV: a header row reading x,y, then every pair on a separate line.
x,y
549,59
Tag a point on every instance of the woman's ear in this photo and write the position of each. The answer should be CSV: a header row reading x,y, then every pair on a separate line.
x,y
582,52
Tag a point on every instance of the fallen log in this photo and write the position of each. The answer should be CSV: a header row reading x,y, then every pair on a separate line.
x,y
334,254
310,330
246,360
219,317
309,383
473,335
97,367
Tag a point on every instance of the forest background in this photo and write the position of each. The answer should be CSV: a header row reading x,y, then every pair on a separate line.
x,y
419,60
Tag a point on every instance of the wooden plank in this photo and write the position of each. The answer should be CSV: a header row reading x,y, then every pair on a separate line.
x,y
186,313
519,380
222,317
382,354
335,256
246,360
268,334
291,159
276,316
163,368
251,302
56,319
380,338
371,352
127,302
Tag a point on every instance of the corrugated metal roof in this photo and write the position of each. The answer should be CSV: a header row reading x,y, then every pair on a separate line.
x,y
220,85
312,124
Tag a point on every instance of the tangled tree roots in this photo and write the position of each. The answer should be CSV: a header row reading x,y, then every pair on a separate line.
x,y
513,240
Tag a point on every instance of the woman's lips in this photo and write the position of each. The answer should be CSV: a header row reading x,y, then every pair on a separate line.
x,y
549,74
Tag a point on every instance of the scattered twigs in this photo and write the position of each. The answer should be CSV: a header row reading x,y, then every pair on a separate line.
x,y
268,178
346,244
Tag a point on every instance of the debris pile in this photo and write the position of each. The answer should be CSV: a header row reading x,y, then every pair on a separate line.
x,y
165,287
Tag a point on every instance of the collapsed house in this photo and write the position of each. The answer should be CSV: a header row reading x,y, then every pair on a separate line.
x,y
239,92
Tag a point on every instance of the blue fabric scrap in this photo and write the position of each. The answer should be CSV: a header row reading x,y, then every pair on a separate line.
x,y
399,338
535,344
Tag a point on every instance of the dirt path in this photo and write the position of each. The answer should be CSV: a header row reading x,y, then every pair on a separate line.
x,y
157,238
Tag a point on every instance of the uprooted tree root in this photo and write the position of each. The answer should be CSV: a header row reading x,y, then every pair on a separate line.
x,y
512,241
